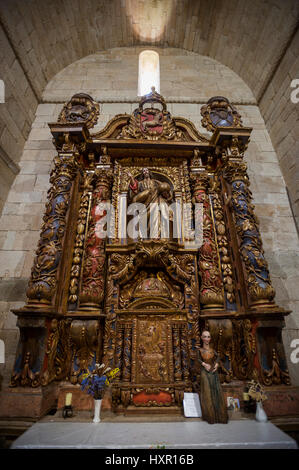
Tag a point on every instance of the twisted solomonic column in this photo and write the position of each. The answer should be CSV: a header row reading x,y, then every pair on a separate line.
x,y
43,282
257,277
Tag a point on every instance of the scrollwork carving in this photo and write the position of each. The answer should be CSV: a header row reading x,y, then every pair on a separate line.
x,y
85,340
243,350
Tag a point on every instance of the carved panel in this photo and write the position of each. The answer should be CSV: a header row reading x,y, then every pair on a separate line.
x,y
152,352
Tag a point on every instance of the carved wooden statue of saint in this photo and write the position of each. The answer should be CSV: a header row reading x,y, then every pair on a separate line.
x,y
155,195
212,401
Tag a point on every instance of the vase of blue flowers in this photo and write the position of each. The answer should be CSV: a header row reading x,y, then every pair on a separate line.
x,y
95,384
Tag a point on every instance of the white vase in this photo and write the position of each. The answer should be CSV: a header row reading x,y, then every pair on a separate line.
x,y
97,411
260,414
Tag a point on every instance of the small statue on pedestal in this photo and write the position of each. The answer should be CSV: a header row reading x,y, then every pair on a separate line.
x,y
211,396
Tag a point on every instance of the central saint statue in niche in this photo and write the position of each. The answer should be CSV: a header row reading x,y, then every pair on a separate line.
x,y
155,196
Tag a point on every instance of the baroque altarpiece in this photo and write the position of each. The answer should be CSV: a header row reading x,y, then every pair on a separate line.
x,y
140,302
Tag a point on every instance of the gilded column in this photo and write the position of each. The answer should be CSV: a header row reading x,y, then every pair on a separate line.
x,y
257,277
184,352
119,351
127,354
211,294
82,226
92,287
43,281
224,252
177,353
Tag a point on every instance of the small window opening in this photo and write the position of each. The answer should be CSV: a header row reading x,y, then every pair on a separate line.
x,y
148,72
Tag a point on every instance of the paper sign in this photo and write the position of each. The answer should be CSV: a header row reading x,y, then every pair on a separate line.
x,y
191,403
2,352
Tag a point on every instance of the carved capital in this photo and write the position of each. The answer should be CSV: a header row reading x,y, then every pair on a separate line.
x,y
236,170
103,179
200,182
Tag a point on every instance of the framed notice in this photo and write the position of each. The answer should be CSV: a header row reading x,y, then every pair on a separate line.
x,y
191,403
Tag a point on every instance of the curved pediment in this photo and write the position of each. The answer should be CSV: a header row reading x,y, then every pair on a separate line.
x,y
151,122
126,126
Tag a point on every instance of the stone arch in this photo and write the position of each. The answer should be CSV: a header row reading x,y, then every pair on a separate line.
x,y
23,211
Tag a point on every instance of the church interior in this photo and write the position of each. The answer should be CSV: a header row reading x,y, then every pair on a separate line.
x,y
183,113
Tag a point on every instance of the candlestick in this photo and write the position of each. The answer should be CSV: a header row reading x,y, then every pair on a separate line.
x,y
68,399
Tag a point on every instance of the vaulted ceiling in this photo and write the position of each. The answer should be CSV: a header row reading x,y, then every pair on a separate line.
x,y
257,39
250,37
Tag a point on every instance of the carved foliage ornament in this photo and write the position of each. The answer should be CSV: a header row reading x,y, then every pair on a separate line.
x,y
44,354
123,267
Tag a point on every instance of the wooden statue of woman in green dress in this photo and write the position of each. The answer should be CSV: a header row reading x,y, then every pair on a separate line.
x,y
211,396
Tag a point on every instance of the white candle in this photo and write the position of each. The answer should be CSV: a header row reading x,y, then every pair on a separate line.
x,y
68,399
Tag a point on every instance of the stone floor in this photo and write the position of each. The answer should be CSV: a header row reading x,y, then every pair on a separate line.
x,y
187,434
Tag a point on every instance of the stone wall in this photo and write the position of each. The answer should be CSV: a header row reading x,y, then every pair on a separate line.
x,y
104,75
282,120
112,76
16,115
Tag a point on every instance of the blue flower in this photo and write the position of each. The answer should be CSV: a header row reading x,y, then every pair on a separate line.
x,y
94,384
